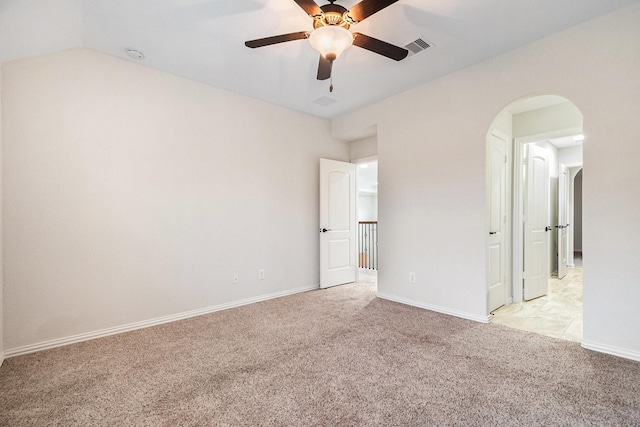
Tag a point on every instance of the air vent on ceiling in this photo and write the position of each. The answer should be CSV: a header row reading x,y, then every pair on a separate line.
x,y
325,101
135,54
417,46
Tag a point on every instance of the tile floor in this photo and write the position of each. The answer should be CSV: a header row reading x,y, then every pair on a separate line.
x,y
368,277
558,314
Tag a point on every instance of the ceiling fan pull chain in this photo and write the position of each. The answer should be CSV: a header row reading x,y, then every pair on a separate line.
x,y
331,74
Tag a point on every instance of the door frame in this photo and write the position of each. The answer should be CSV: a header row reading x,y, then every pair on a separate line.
x,y
564,207
518,204
356,162
573,172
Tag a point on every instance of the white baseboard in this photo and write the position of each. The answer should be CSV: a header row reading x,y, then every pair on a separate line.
x,y
45,345
443,310
614,351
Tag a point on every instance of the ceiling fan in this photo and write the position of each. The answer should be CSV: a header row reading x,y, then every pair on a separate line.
x,y
331,35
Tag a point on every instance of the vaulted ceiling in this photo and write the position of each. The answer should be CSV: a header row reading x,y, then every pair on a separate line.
x,y
203,40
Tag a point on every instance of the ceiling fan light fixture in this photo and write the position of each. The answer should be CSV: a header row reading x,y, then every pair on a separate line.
x,y
331,40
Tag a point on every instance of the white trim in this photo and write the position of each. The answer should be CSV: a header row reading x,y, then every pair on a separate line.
x,y
367,159
58,342
573,172
614,351
431,307
517,226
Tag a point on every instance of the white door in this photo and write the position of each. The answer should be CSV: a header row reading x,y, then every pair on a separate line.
x,y
536,224
338,227
563,210
496,186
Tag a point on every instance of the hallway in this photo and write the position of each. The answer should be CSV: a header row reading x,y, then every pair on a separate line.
x,y
557,315
368,277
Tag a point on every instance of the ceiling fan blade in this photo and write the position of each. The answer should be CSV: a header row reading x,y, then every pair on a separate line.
x,y
366,8
277,39
324,68
379,47
309,6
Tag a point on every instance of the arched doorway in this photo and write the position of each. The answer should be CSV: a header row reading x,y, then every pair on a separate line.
x,y
530,272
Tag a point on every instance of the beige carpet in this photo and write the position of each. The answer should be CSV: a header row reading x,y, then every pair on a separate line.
x,y
333,357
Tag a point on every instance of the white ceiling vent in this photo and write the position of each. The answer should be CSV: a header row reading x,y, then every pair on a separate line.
x,y
135,54
417,46
325,101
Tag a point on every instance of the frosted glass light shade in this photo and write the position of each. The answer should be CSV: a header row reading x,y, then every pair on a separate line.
x,y
331,39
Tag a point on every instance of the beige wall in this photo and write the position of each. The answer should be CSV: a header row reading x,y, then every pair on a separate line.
x,y
1,255
133,195
432,205
363,148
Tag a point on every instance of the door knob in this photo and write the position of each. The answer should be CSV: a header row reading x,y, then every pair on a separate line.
x,y
324,230
548,228
493,232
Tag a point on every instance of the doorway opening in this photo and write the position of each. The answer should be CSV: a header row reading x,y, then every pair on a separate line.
x,y
367,207
534,151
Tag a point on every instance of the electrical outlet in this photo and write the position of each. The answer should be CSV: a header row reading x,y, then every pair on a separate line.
x,y
261,274
235,278
412,277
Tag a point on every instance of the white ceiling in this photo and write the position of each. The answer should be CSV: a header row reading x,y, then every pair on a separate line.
x,y
203,40
567,141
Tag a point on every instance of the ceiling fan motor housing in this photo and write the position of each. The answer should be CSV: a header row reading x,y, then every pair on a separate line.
x,y
333,14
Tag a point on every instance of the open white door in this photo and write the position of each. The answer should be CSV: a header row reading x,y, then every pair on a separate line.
x,y
496,183
338,227
563,209
537,227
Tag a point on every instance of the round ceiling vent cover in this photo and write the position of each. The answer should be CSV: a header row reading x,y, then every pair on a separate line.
x,y
135,54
